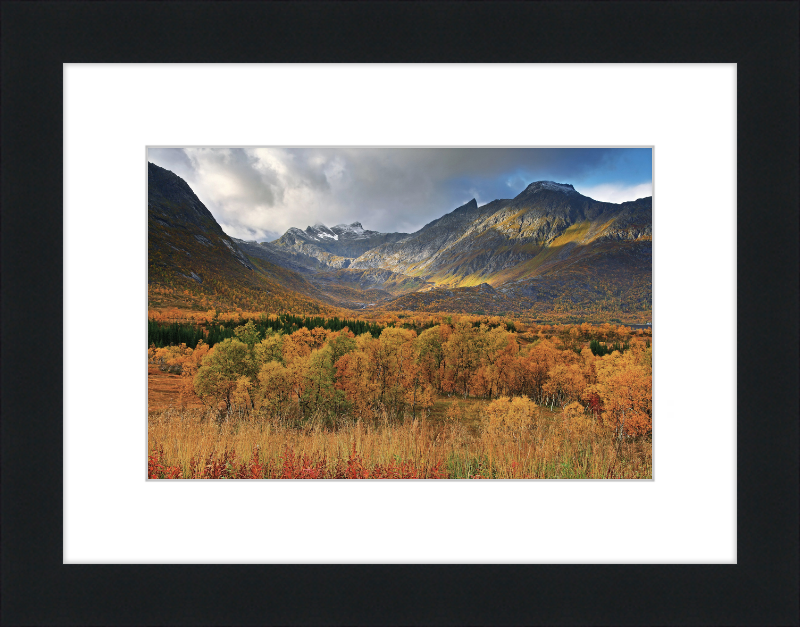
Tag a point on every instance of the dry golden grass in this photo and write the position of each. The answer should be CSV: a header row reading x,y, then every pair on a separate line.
x,y
458,435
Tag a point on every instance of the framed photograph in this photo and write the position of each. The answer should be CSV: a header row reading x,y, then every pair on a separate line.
x,y
481,452
107,85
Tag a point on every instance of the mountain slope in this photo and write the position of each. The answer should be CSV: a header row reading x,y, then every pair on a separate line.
x,y
288,258
607,280
428,246
353,289
334,247
510,240
198,265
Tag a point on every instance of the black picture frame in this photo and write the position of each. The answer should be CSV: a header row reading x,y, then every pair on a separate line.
x,y
761,37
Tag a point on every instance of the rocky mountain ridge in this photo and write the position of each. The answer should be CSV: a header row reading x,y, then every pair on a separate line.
x,y
550,246
510,239
334,247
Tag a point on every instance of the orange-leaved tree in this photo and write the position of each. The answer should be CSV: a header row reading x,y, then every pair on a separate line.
x,y
625,387
222,367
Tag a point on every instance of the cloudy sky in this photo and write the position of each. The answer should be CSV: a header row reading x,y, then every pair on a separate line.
x,y
258,193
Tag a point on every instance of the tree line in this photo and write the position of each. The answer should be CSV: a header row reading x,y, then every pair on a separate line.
x,y
599,349
161,333
337,374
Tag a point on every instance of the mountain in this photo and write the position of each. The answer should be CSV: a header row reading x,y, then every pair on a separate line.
x,y
193,263
176,215
334,247
511,239
548,251
429,245
286,257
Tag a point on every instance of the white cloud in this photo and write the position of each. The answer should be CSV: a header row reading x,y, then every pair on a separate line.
x,y
259,193
616,193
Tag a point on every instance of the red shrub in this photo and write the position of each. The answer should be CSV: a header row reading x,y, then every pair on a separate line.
x,y
293,466
595,404
156,468
297,467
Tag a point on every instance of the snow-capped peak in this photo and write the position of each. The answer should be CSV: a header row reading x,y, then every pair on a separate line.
x,y
354,227
565,188
320,230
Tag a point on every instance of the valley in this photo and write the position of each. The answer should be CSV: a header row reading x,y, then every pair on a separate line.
x,y
509,339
